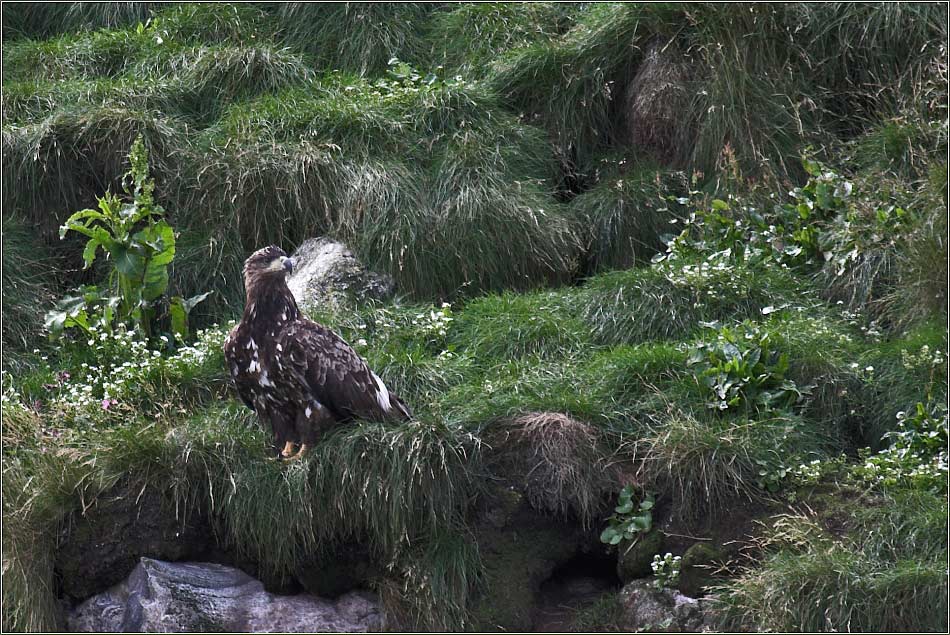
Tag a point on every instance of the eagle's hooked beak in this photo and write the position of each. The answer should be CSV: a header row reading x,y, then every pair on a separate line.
x,y
288,264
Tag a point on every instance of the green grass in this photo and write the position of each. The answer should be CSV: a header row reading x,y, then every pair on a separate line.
x,y
470,36
705,463
670,300
628,214
388,487
888,573
503,327
356,37
26,291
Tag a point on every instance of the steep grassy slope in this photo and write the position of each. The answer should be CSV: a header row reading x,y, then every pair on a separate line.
x,y
596,287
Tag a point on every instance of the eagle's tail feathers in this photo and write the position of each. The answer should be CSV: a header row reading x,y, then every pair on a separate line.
x,y
400,407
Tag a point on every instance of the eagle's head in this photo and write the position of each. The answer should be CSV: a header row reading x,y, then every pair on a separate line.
x,y
267,264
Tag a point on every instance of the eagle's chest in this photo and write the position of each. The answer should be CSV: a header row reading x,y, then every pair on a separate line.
x,y
263,369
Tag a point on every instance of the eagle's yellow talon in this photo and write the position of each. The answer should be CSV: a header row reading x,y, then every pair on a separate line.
x,y
304,449
288,450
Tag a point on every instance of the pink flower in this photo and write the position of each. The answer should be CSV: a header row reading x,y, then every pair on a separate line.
x,y
106,403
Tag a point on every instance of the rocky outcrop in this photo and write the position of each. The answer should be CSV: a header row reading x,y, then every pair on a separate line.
x,y
187,597
647,609
656,105
326,271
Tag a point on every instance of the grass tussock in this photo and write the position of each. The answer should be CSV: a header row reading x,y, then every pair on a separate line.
x,y
65,161
628,215
26,290
560,463
358,37
866,580
703,462
670,299
470,36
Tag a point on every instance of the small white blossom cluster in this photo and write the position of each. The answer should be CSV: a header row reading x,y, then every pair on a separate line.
x,y
124,366
436,321
893,465
925,358
10,398
666,570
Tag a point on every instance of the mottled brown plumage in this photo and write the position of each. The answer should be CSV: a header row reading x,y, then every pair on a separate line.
x,y
298,376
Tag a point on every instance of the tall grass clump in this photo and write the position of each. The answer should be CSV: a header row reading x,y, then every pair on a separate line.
x,y
888,575
27,274
87,55
562,465
628,215
669,299
570,85
63,162
704,462
358,37
470,36
425,181
40,20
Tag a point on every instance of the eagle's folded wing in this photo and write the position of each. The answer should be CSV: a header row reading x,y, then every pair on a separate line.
x,y
335,374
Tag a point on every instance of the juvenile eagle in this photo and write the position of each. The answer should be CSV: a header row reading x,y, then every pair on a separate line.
x,y
298,376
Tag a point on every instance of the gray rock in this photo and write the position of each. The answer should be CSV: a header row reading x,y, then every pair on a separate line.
x,y
326,271
651,610
166,597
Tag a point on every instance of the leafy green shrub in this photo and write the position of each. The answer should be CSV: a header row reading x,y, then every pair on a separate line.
x,y
630,518
141,246
743,370
917,455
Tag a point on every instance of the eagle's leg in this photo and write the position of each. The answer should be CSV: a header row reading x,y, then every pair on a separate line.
x,y
304,449
288,450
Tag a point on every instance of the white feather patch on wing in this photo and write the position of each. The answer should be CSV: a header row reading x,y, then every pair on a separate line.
x,y
383,395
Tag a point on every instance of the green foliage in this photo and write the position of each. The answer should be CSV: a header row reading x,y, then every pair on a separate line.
x,y
671,299
470,36
627,215
140,245
630,518
743,370
503,327
917,456
26,289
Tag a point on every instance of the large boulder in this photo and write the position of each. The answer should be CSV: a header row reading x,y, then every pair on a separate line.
x,y
326,271
188,597
656,105
647,609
